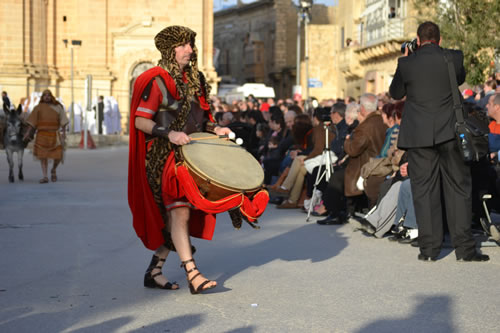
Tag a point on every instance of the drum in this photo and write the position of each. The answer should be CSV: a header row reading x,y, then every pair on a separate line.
x,y
220,167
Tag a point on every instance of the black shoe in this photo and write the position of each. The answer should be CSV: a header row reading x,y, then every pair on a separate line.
x,y
330,220
406,240
276,200
365,225
278,192
423,257
344,217
476,257
398,235
414,242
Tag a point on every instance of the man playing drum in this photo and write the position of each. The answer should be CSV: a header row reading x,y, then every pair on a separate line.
x,y
169,102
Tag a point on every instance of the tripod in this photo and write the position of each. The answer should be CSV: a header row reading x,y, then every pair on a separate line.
x,y
326,161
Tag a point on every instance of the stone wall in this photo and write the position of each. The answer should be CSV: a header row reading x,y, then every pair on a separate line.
x,y
268,27
116,35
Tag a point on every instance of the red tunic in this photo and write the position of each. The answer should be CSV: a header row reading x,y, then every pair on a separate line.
x,y
147,220
177,183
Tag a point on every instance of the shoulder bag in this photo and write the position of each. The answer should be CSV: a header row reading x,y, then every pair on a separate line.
x,y
471,133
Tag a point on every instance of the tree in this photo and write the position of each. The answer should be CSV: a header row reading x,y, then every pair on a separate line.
x,y
468,25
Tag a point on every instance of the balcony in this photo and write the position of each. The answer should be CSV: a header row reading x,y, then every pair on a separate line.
x,y
383,38
384,30
348,63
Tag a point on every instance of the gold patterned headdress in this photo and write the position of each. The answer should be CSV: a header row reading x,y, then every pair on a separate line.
x,y
166,41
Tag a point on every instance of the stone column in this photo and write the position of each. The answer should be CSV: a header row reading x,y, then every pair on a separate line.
x,y
208,45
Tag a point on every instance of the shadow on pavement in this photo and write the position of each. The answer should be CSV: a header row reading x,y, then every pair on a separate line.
x,y
24,320
176,324
310,242
432,314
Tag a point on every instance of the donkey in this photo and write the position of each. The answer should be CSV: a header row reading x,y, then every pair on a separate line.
x,y
13,140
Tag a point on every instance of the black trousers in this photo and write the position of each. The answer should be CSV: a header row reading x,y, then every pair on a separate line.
x,y
271,168
311,180
333,196
436,172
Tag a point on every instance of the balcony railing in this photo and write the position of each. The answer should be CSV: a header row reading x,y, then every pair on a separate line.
x,y
348,63
384,30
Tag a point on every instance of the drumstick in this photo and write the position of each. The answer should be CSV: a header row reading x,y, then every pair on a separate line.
x,y
209,137
225,136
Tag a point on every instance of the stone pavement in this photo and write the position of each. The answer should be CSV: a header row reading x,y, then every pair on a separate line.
x,y
70,262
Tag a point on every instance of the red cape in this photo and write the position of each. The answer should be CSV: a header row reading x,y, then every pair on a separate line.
x,y
147,220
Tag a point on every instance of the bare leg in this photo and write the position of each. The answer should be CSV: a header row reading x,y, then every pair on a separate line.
x,y
54,166
53,175
179,218
44,164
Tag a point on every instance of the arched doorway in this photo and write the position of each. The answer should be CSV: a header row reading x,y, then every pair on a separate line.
x,y
138,70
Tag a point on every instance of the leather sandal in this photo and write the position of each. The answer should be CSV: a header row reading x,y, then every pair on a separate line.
x,y
200,288
44,180
149,278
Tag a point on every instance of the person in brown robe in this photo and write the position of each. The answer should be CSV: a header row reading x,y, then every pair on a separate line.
x,y
47,119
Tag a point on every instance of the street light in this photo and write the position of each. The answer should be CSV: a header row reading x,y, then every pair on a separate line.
x,y
303,14
74,43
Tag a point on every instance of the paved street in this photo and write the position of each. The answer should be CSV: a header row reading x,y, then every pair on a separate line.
x,y
71,262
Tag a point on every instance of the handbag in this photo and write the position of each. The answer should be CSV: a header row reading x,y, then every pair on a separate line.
x,y
378,167
471,133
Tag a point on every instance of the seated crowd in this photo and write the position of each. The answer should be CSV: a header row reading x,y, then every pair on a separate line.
x,y
366,179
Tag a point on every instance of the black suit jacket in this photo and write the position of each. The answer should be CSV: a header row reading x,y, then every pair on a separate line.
x,y
428,116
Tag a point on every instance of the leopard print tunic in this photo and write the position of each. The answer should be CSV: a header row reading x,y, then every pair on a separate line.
x,y
166,41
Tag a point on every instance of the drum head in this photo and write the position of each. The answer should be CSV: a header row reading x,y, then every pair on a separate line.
x,y
223,162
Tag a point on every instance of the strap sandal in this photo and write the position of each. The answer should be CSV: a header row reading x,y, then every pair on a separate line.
x,y
201,288
149,278
44,180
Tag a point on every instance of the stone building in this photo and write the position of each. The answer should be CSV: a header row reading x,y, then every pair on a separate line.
x,y
367,62
257,42
39,43
353,47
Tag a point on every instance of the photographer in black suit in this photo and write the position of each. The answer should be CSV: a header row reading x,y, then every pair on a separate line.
x,y
428,134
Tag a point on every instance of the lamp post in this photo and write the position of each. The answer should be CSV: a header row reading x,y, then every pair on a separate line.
x,y
306,55
297,75
72,114
303,15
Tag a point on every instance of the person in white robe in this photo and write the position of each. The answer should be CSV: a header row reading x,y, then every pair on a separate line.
x,y
107,122
116,117
78,112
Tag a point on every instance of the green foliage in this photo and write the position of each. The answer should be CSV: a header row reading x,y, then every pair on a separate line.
x,y
468,25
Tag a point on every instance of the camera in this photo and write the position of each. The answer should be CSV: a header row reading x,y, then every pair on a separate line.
x,y
411,45
323,114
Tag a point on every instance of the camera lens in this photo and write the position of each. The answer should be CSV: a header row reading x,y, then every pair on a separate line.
x,y
411,45
403,47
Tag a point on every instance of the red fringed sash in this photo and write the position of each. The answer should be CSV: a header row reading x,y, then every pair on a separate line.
x,y
180,184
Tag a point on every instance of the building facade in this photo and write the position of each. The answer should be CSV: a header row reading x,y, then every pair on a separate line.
x,y
44,41
369,44
257,42
352,47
